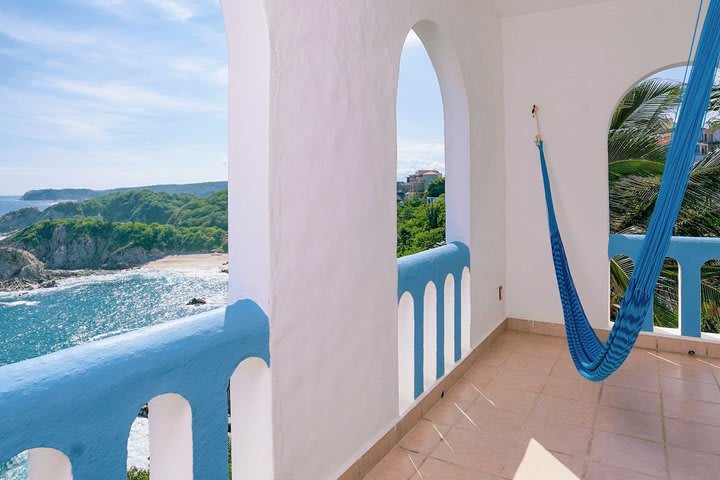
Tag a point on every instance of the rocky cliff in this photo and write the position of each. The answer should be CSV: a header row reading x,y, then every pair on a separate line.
x,y
16,264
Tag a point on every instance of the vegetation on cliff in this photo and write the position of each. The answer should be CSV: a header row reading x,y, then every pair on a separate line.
x,y
81,243
198,189
144,206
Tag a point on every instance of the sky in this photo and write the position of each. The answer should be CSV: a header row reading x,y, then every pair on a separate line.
x,y
420,120
109,93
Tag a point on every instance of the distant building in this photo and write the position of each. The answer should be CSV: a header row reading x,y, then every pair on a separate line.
x,y
416,183
709,142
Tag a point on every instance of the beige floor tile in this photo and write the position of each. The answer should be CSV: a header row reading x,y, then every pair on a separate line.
x,y
582,390
473,449
520,379
687,372
565,369
630,399
397,465
481,373
559,437
445,412
464,390
692,410
641,362
565,410
496,356
687,464
546,351
492,421
517,401
530,363
629,453
424,437
632,424
693,436
648,382
705,392
434,469
599,471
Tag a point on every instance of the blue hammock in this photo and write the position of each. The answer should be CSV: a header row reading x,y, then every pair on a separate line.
x,y
593,359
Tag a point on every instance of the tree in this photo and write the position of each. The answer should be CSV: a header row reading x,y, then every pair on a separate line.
x,y
638,141
436,188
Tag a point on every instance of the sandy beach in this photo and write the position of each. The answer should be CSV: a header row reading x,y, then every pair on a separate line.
x,y
202,261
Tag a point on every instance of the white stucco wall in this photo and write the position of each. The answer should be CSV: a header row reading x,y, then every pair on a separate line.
x,y
575,63
329,242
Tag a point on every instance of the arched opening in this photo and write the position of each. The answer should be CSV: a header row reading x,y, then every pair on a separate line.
x,y
116,134
639,137
621,268
710,297
433,164
160,444
421,153
251,430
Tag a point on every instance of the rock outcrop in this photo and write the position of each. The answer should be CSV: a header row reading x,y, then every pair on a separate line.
x,y
16,264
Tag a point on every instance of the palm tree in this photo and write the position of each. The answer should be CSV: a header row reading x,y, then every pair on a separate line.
x,y
638,141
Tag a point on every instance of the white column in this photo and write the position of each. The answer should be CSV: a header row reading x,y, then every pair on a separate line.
x,y
252,429
430,336
49,464
171,444
406,352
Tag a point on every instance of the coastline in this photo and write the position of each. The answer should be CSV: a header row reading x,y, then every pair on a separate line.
x,y
197,261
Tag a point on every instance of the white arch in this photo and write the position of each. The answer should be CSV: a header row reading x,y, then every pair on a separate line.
x,y
449,293
248,150
457,129
466,314
48,464
430,336
406,351
251,421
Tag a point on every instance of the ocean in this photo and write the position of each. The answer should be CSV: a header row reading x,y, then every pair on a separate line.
x,y
10,203
85,309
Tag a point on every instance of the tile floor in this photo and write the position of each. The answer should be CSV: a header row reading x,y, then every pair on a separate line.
x,y
658,417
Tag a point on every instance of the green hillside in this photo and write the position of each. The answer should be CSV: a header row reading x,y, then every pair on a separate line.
x,y
144,206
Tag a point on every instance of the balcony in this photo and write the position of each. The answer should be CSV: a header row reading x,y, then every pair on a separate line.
x,y
336,360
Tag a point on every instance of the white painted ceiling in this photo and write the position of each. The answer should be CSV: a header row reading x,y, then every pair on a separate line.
x,y
521,7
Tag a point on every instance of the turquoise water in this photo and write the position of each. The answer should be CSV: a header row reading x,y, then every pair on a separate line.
x,y
85,309
90,308
10,203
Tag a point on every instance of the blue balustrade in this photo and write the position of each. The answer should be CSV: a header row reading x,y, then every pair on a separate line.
x,y
691,253
415,272
82,401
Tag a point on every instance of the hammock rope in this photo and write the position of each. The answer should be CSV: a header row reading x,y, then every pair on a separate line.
x,y
593,359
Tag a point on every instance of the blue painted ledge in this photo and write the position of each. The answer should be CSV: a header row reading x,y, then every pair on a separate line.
x,y
414,273
83,400
691,254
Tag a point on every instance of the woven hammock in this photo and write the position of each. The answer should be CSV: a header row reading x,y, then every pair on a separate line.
x,y
593,359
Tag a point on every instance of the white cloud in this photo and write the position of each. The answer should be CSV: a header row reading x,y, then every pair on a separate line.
x,y
202,68
172,9
128,98
41,35
414,156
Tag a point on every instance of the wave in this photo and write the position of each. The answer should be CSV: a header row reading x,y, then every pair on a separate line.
x,y
20,303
